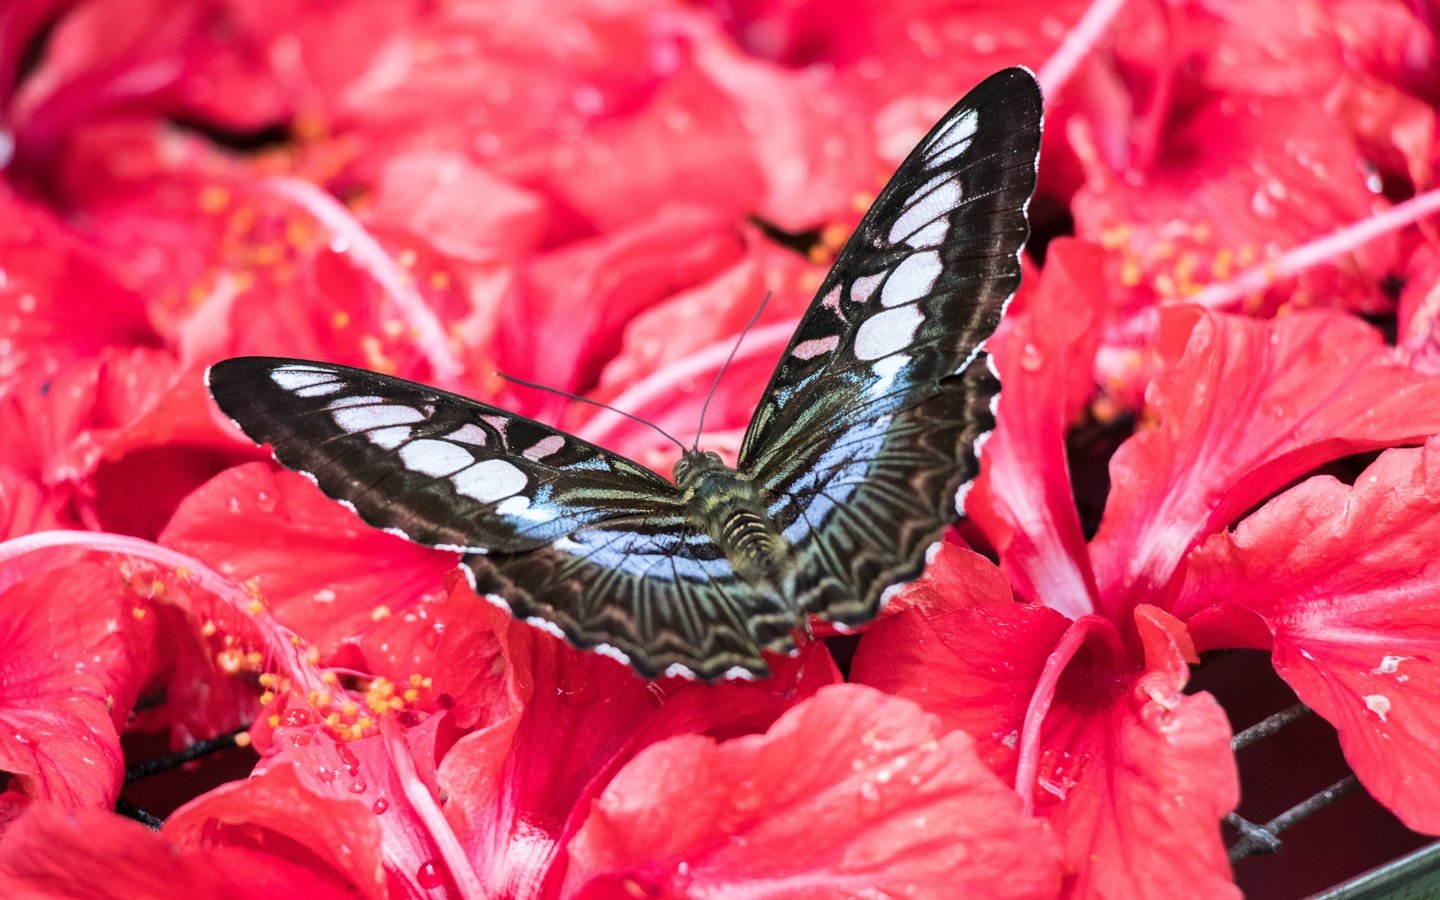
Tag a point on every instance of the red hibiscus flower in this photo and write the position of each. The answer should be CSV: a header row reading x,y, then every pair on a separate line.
x,y
1086,711
598,197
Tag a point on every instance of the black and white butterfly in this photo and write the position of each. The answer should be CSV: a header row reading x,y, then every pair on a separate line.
x,y
855,462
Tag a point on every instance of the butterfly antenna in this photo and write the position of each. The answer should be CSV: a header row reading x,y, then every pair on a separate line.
x,y
700,429
554,390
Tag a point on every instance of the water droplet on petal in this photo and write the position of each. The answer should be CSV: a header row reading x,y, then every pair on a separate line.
x,y
357,787
1031,359
429,876
379,806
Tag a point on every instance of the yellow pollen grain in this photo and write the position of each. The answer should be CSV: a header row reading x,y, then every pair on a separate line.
x,y
333,720
274,721
312,656
414,679
213,198
229,661
411,695
268,679
296,640
330,678
861,201
341,319
349,709
297,233
323,698
1222,265
439,280
182,573
255,607
266,255
396,704
255,658
267,698
242,739
364,723
1130,271
380,613
427,683
137,612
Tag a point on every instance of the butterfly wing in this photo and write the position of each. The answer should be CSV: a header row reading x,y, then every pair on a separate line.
x,y
873,419
648,591
431,466
569,536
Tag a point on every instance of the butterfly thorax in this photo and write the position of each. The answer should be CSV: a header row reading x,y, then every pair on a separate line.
x,y
730,509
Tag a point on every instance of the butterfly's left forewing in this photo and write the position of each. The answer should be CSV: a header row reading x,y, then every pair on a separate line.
x,y
435,467
873,419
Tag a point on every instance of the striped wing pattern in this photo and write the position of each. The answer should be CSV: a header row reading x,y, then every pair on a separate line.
x,y
860,448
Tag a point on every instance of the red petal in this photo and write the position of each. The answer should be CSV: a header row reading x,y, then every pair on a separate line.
x,y
1141,781
1341,577
53,852
520,788
72,660
965,652
906,808
1023,499
249,521
1247,408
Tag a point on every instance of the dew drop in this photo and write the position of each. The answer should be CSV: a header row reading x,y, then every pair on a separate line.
x,y
429,876
869,799
1031,359
325,774
379,806
358,787
350,760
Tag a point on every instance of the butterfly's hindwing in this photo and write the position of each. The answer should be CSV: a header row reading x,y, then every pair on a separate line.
x,y
432,466
647,589
872,419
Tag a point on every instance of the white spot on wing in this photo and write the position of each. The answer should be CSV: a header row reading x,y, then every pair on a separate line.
x,y
469,433
490,480
678,670
887,332
886,370
814,347
926,221
912,279
544,447
953,140
319,390
355,419
606,650
864,286
389,438
546,626
436,458
294,378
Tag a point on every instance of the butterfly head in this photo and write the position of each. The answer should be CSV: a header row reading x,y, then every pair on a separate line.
x,y
694,465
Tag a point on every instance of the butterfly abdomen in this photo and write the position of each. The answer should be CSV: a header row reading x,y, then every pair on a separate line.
x,y
730,510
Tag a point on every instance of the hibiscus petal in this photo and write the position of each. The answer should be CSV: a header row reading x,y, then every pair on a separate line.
x,y
1023,499
1344,578
72,660
249,521
1141,785
1247,407
907,808
965,651
56,853
519,788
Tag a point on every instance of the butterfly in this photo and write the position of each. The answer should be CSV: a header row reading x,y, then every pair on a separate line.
x,y
855,462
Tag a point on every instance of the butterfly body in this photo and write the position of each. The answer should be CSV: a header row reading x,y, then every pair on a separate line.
x,y
728,507
855,463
